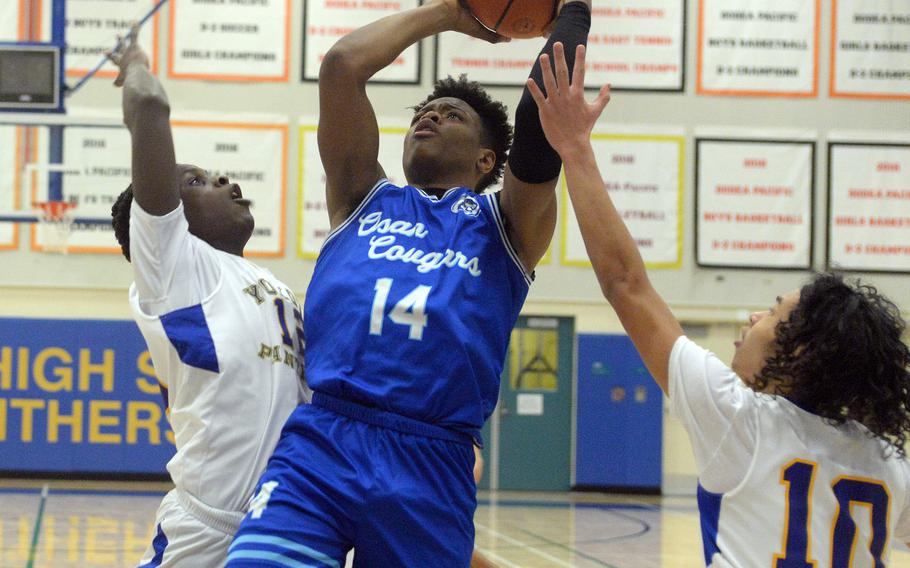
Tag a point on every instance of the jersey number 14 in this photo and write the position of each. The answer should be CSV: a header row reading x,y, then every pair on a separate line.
x,y
410,310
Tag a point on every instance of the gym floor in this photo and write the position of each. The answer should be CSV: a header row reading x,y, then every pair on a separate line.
x,y
108,525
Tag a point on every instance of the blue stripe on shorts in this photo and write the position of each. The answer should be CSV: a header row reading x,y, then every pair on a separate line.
x,y
262,547
158,545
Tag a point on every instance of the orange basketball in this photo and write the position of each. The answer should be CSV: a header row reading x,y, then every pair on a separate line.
x,y
514,18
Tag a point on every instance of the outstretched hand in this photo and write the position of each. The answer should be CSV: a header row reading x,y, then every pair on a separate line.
x,y
566,117
127,53
462,20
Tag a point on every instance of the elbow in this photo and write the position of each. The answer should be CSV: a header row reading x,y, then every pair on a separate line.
x,y
145,105
618,289
341,61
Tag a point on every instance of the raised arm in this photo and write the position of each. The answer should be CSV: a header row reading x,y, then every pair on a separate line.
x,y
568,121
147,114
348,133
528,200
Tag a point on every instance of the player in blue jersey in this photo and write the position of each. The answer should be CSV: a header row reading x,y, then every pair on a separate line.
x,y
409,311
800,441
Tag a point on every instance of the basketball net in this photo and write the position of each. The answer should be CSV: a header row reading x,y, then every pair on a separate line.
x,y
55,225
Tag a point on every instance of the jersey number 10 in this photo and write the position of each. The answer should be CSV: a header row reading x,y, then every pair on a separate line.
x,y
798,477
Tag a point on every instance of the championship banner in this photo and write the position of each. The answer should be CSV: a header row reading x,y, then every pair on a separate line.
x,y
80,396
633,45
499,65
18,24
92,27
870,49
12,140
9,21
312,214
754,203
748,47
252,155
97,168
221,40
326,21
644,176
869,204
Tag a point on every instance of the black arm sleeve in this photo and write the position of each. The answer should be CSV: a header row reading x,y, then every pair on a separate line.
x,y
532,159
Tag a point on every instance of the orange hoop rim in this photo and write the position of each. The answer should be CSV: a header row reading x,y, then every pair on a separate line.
x,y
54,210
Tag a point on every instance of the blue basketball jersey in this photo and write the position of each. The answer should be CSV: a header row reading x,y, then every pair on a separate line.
x,y
412,303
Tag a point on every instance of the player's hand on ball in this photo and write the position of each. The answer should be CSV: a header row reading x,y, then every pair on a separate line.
x,y
566,117
462,20
128,53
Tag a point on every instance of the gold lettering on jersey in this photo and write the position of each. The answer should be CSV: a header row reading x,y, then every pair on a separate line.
x,y
254,291
268,287
262,288
278,354
383,245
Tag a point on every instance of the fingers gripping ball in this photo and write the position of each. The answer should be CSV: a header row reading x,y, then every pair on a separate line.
x,y
514,18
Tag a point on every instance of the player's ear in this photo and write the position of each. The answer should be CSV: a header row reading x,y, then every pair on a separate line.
x,y
486,161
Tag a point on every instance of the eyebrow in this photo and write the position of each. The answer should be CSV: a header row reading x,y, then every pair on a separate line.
x,y
442,106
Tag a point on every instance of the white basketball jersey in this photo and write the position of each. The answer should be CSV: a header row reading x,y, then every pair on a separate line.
x,y
226,339
778,486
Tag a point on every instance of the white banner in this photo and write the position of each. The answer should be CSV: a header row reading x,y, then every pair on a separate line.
x,y
753,47
312,215
92,27
506,64
252,155
98,158
637,44
632,45
237,41
644,175
9,21
15,24
754,203
869,203
871,49
10,179
325,21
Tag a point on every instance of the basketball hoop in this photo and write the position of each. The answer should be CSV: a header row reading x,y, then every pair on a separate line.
x,y
55,225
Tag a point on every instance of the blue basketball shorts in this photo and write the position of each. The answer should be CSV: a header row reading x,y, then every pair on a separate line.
x,y
401,493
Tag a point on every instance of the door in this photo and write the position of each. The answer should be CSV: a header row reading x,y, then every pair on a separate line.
x,y
534,426
620,418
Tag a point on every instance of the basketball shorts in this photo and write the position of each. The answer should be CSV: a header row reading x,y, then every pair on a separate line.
x,y
188,534
399,492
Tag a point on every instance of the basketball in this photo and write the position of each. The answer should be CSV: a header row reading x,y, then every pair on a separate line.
x,y
514,18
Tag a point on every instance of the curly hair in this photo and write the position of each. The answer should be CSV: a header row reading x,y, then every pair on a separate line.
x,y
497,132
120,219
840,356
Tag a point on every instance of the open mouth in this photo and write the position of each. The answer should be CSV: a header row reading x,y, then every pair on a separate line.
x,y
237,196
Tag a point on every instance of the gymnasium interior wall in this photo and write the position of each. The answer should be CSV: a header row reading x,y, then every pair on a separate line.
x,y
712,302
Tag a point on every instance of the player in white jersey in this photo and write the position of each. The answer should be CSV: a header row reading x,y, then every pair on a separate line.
x,y
800,442
225,335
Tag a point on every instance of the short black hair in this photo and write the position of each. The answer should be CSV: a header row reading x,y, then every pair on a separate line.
x,y
494,116
120,219
840,355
